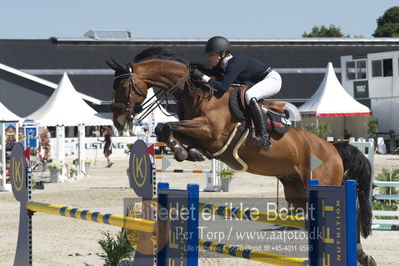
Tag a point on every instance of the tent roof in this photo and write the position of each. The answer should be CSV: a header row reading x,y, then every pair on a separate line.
x,y
331,99
6,115
66,107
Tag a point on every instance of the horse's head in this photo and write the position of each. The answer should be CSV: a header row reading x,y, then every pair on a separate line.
x,y
157,68
129,93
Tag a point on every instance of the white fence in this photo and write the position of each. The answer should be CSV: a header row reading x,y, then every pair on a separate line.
x,y
94,146
367,148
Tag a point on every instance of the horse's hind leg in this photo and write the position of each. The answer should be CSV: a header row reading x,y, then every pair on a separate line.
x,y
362,258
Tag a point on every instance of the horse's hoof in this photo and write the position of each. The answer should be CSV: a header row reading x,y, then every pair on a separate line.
x,y
195,155
371,261
181,155
178,150
366,260
160,132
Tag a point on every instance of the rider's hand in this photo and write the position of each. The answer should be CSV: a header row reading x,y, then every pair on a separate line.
x,y
196,74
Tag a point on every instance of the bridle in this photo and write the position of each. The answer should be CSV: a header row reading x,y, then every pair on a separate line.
x,y
147,106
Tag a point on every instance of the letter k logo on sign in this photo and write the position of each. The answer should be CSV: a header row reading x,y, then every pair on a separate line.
x,y
139,170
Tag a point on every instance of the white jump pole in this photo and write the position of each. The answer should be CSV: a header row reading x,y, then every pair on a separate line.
x,y
60,134
212,179
81,150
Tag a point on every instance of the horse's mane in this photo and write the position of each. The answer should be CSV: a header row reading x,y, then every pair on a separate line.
x,y
161,53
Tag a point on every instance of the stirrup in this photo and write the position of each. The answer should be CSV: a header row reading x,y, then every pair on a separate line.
x,y
262,141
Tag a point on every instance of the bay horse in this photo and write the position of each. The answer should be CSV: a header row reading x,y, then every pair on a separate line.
x,y
206,123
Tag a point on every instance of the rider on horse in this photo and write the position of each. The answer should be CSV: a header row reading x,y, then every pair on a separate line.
x,y
266,82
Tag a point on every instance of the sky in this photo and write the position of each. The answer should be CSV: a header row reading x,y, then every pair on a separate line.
x,y
248,19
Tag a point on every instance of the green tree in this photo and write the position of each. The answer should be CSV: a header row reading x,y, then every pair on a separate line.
x,y
372,127
323,31
388,24
321,131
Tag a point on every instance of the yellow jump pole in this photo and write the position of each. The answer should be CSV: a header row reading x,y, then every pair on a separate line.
x,y
236,251
254,215
93,216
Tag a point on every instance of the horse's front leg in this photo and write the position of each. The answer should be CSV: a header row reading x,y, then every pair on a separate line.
x,y
164,133
185,131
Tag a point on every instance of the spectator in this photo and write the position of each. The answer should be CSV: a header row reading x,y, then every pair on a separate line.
x,y
108,146
96,131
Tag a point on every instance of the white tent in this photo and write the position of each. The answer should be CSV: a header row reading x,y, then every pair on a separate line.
x,y
160,113
66,107
333,105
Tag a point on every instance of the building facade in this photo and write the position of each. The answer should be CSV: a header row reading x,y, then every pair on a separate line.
x,y
31,69
373,79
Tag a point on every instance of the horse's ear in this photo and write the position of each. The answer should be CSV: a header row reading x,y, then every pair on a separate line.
x,y
110,65
118,65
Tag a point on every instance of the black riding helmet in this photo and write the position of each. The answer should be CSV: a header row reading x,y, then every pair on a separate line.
x,y
217,44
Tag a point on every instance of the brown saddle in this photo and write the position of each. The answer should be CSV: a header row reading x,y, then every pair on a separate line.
x,y
238,107
274,106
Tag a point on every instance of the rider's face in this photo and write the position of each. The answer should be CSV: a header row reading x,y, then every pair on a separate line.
x,y
213,59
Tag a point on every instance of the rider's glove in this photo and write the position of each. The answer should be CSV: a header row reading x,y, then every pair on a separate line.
x,y
196,74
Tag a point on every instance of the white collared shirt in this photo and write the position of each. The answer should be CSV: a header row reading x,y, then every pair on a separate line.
x,y
226,62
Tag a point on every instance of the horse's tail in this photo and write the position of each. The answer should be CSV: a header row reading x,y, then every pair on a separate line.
x,y
357,167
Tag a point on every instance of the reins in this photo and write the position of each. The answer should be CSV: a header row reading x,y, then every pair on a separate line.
x,y
162,96
147,106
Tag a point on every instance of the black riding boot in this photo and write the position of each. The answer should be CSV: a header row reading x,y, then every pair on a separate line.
x,y
262,136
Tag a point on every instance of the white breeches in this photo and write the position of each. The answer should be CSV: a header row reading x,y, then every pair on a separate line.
x,y
265,88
